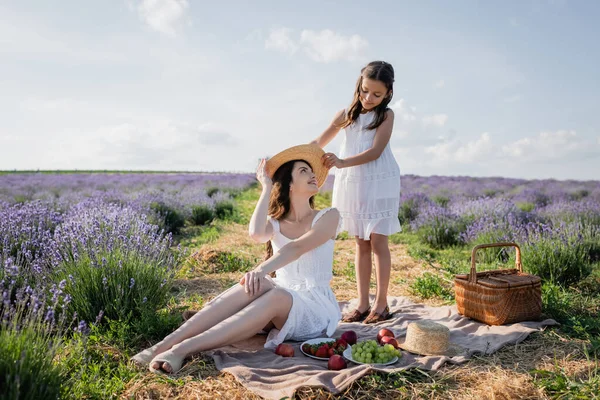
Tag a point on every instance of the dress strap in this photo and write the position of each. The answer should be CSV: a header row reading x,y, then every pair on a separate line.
x,y
275,224
319,214
323,212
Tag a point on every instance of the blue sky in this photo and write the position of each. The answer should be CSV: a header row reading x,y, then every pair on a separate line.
x,y
504,88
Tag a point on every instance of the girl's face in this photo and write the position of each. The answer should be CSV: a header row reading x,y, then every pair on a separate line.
x,y
372,93
304,180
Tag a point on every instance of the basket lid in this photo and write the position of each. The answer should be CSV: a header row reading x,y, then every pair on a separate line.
x,y
503,279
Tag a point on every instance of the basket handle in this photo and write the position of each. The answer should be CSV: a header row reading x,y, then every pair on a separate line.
x,y
473,274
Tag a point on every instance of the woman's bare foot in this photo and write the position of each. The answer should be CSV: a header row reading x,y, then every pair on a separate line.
x,y
168,362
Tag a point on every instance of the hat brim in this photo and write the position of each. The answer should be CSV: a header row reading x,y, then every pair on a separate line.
x,y
451,351
311,153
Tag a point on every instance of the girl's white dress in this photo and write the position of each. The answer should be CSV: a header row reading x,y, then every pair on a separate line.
x,y
315,310
367,195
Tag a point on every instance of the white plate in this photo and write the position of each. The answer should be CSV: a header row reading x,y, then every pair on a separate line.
x,y
315,341
348,356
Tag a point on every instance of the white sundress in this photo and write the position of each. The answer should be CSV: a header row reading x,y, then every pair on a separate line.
x,y
367,195
315,310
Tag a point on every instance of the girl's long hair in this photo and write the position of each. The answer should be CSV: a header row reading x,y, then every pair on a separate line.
x,y
379,71
279,202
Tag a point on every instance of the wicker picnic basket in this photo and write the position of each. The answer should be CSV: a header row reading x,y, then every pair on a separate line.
x,y
498,297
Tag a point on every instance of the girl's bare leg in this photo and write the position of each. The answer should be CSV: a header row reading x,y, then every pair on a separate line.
x,y
274,306
383,267
363,267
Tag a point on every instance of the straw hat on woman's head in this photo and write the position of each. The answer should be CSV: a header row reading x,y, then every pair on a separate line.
x,y
311,153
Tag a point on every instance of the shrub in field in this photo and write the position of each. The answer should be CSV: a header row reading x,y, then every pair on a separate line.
x,y
211,191
225,210
31,331
202,214
439,227
557,254
526,206
441,200
114,262
410,206
26,232
172,219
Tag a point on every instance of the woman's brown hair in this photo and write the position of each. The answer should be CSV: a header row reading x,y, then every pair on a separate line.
x,y
279,202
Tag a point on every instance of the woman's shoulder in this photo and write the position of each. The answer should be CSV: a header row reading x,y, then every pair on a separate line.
x,y
329,212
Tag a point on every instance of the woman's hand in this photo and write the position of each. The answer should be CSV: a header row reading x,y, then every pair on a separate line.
x,y
253,281
331,160
261,174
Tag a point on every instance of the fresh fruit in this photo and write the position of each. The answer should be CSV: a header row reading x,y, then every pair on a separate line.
x,y
389,340
349,337
336,362
327,348
306,348
384,332
285,350
371,353
322,352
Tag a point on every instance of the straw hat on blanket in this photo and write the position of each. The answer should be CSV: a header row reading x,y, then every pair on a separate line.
x,y
428,338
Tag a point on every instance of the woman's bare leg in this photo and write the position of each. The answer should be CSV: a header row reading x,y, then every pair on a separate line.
x,y
273,307
213,313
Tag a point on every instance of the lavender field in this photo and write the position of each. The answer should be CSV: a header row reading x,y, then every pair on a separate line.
x,y
79,252
557,223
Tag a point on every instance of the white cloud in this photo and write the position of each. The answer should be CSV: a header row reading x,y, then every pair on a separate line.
x,y
323,46
164,16
512,99
279,39
414,129
456,151
327,46
437,120
547,146
439,84
403,112
160,143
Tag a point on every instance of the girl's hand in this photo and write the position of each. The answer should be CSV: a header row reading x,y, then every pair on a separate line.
x,y
331,160
261,174
252,282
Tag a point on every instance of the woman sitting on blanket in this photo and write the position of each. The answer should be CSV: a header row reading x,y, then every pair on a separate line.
x,y
298,302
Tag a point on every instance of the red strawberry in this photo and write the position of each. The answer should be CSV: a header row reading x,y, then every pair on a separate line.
x,y
331,352
322,352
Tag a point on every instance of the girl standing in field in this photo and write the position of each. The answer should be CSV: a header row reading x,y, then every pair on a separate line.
x,y
367,183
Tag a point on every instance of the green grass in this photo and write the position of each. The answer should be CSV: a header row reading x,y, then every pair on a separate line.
x,y
558,384
430,285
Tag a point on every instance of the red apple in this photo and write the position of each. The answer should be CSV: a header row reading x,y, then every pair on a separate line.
x,y
389,340
336,362
384,332
349,337
285,350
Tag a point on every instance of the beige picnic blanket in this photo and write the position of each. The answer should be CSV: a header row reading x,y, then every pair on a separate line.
x,y
274,377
